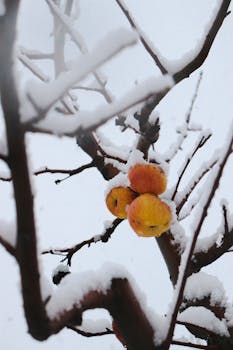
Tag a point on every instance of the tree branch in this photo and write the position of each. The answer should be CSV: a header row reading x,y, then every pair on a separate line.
x,y
104,237
192,345
204,51
144,41
186,271
26,248
123,306
90,334
9,248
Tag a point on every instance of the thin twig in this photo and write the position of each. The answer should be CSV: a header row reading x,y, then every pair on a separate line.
x,y
200,144
192,345
9,248
33,67
226,224
104,237
185,198
199,59
197,327
145,42
64,171
185,272
187,128
7,179
77,40
36,55
90,334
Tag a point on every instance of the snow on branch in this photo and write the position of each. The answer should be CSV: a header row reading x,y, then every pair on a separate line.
x,y
43,96
201,285
197,226
205,318
89,121
26,61
144,40
111,288
196,58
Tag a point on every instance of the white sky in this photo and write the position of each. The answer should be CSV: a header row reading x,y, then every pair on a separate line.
x,y
75,210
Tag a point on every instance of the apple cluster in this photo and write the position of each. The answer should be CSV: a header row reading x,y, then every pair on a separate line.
x,y
147,214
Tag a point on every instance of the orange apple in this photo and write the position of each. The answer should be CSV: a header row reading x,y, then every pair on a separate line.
x,y
118,200
149,216
147,178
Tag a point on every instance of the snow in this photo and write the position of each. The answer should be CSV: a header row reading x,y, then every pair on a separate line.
x,y
174,66
3,143
68,25
204,318
69,125
95,326
201,285
8,231
2,8
120,180
45,95
203,244
60,268
178,232
74,287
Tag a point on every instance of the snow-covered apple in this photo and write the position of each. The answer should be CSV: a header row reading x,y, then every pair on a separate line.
x,y
118,200
149,216
147,178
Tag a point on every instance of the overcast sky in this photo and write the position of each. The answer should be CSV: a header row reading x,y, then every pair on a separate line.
x,y
75,210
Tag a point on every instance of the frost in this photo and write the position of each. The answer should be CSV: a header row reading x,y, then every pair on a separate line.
x,y
120,180
60,268
135,157
204,318
45,95
69,125
97,238
178,233
200,285
203,244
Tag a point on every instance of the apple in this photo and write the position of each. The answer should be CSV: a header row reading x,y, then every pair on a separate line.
x,y
149,216
147,178
118,200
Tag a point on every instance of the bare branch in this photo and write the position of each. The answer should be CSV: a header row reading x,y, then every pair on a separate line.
x,y
104,237
204,51
145,42
192,345
90,334
9,248
63,171
226,224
